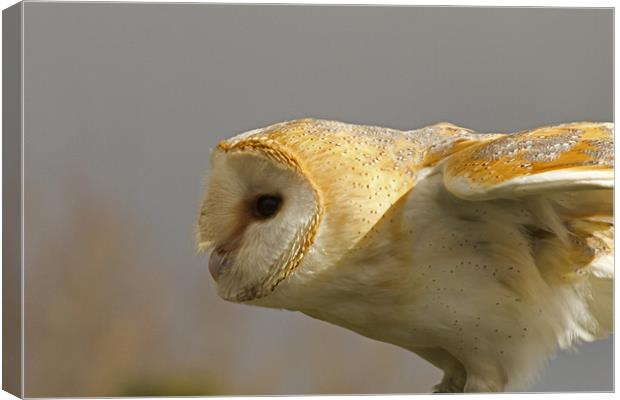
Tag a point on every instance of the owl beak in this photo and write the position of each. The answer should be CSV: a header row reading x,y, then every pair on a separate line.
x,y
218,262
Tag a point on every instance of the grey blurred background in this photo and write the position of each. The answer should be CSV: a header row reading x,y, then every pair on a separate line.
x,y
123,103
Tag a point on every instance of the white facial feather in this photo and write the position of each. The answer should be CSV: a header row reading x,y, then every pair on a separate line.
x,y
240,179
481,253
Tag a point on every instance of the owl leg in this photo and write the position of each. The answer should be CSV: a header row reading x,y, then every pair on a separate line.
x,y
485,377
454,376
477,384
450,383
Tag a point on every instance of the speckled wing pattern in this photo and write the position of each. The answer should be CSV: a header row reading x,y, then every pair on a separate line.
x,y
563,157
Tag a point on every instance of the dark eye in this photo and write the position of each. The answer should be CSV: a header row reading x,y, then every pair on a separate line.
x,y
267,205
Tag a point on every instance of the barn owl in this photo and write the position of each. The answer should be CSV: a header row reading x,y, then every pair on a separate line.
x,y
481,253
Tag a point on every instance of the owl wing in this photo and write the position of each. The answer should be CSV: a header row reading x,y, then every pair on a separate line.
x,y
564,175
563,157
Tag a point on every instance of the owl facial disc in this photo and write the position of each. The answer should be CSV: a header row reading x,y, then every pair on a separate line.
x,y
259,217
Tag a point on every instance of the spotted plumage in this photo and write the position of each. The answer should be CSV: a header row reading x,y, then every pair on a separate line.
x,y
482,253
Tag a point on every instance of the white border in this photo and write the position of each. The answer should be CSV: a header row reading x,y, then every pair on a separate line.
x,y
435,3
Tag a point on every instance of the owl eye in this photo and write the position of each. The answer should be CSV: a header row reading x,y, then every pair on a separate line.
x,y
267,205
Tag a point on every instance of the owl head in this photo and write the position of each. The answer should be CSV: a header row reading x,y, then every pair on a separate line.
x,y
289,200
